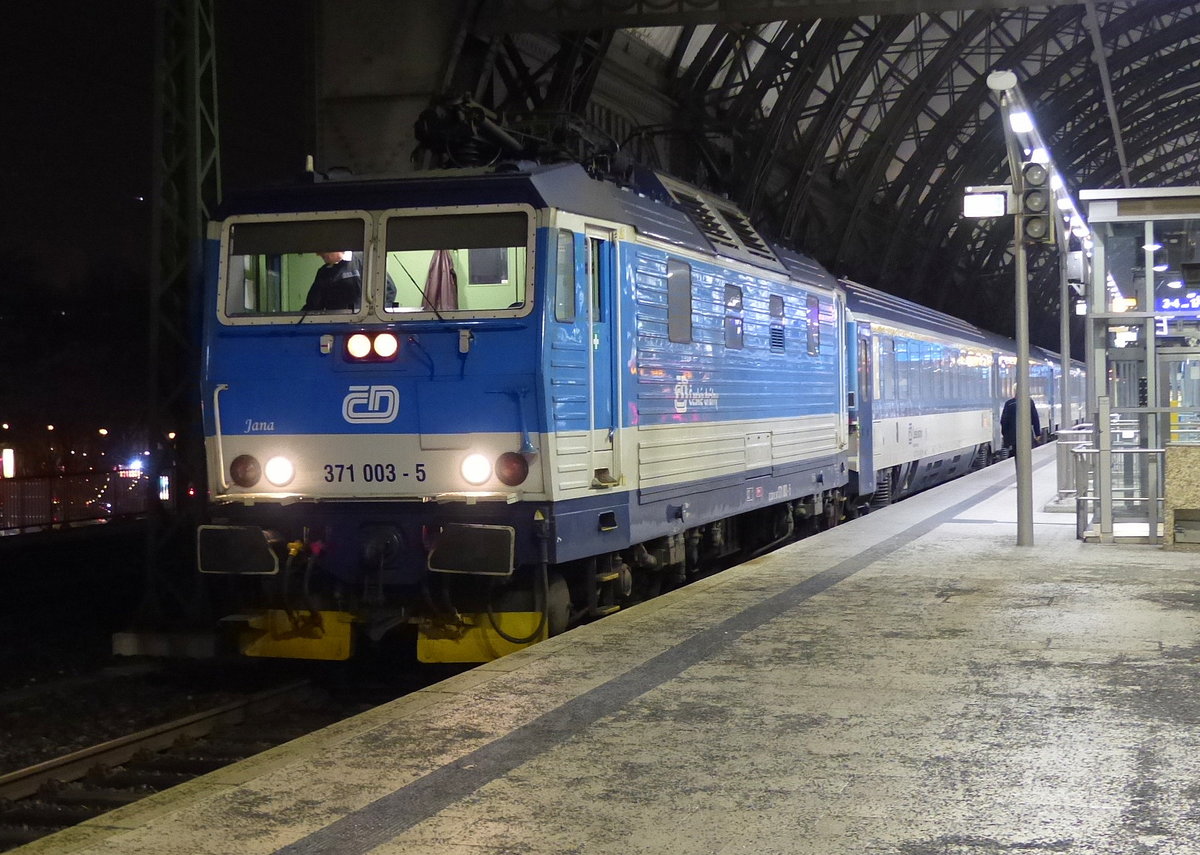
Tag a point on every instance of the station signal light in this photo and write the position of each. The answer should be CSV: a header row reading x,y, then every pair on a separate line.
x,y
1036,203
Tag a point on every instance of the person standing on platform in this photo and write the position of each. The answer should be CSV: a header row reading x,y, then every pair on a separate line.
x,y
1008,425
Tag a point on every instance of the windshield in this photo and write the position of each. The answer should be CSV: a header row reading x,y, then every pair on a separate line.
x,y
457,262
295,266
462,264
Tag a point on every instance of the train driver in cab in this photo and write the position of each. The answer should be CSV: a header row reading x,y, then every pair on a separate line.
x,y
337,285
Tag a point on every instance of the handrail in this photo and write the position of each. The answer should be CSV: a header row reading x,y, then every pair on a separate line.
x,y
220,387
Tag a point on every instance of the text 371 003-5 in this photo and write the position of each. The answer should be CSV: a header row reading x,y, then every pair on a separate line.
x,y
337,473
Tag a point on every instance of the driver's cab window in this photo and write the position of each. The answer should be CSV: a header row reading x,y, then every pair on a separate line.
x,y
295,267
458,262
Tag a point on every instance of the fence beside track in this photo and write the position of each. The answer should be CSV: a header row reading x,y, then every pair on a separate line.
x,y
41,503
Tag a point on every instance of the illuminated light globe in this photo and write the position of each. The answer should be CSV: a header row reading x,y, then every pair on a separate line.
x,y
386,345
358,345
476,469
279,471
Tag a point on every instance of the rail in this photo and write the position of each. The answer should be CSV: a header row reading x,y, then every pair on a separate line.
x,y
42,503
25,782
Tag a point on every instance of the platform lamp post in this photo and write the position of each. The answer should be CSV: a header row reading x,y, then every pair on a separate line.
x,y
1037,200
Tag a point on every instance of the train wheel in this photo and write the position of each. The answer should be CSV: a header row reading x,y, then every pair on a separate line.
x,y
832,514
558,604
526,599
883,490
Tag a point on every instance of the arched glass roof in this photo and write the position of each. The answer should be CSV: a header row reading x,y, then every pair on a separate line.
x,y
852,135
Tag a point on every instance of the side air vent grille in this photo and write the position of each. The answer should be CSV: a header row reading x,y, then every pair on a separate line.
x,y
776,338
750,238
707,220
727,229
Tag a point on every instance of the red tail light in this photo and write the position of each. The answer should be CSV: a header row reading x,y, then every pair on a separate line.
x,y
245,470
512,468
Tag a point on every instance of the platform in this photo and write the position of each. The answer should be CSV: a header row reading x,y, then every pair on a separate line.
x,y
911,682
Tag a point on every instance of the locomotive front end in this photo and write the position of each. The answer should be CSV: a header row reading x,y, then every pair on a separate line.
x,y
372,420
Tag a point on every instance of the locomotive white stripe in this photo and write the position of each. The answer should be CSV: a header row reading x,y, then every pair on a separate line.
x,y
424,467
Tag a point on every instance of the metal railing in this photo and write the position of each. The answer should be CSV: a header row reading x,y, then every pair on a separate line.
x,y
37,504
1068,440
1111,489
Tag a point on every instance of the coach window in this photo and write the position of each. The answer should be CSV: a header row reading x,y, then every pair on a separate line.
x,y
928,381
902,370
777,337
733,317
814,325
679,301
271,265
564,291
887,368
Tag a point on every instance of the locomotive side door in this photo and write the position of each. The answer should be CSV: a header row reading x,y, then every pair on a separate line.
x,y
601,319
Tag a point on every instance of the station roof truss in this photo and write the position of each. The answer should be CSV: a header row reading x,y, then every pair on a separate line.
x,y
849,129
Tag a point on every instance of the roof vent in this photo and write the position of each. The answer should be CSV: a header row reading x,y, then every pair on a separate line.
x,y
727,229
706,219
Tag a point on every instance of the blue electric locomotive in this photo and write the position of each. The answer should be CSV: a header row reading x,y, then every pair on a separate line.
x,y
552,395
544,395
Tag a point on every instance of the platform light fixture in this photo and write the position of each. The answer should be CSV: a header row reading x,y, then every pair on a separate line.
x,y
989,201
1019,120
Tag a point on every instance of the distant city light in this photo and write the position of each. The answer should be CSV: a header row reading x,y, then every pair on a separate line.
x,y
103,431
171,435
8,463
49,427
135,464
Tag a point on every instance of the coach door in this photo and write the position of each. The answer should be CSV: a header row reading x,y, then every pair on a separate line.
x,y
602,321
861,410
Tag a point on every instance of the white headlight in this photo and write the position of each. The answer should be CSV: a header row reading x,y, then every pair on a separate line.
x,y
476,469
279,471
358,345
386,345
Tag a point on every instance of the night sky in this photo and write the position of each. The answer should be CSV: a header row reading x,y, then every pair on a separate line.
x,y
76,160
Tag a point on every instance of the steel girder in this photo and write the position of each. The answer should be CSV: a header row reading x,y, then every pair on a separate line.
x,y
852,137
559,15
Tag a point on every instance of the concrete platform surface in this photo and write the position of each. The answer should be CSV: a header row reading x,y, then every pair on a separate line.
x,y
911,683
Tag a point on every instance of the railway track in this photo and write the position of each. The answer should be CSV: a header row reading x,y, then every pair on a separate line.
x,y
56,794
